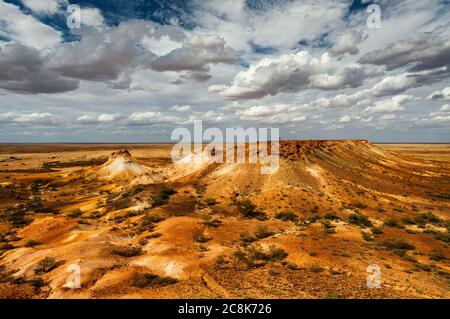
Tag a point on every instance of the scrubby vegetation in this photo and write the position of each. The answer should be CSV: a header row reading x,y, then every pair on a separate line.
x,y
286,216
360,220
151,280
127,251
162,197
45,265
248,210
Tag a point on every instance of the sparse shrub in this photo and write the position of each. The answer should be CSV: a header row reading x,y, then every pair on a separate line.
x,y
272,254
262,232
248,210
437,255
366,236
391,222
286,216
376,230
154,235
315,269
200,237
45,265
393,243
238,257
151,280
312,254
220,261
210,201
76,213
214,223
445,237
32,243
6,246
127,251
247,239
327,227
331,216
360,220
162,197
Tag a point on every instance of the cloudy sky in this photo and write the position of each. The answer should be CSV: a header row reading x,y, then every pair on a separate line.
x,y
137,69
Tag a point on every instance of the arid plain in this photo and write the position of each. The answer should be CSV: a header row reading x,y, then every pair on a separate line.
x,y
137,225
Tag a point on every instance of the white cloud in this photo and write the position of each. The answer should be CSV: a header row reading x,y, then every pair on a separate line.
x,y
32,118
347,43
292,73
344,119
390,105
25,29
44,6
443,94
181,108
92,17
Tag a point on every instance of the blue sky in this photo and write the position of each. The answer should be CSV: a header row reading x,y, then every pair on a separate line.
x,y
136,70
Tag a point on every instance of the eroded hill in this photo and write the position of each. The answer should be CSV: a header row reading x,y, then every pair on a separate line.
x,y
138,225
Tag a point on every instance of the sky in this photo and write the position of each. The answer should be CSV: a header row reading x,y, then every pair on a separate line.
x,y
135,70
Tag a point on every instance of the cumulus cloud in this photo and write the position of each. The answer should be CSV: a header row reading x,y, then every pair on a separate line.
x,y
444,94
393,104
23,70
17,26
104,55
44,6
195,54
31,118
181,108
344,119
347,43
102,118
91,17
292,73
423,50
142,118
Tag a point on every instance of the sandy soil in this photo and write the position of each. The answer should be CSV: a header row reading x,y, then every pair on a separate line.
x,y
140,226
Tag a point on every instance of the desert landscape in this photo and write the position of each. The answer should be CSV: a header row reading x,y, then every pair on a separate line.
x,y
138,225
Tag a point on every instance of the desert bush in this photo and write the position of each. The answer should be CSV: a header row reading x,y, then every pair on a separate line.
x,y
360,220
263,232
248,210
392,222
76,213
32,243
162,197
238,257
220,261
154,235
18,219
214,223
210,201
272,254
6,246
200,237
151,280
315,269
286,216
45,265
366,236
327,227
376,230
436,255
127,251
331,216
393,243
247,239
445,237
